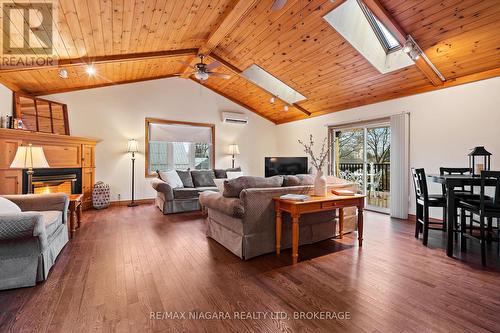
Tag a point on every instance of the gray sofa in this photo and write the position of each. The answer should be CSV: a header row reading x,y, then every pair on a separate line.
x,y
30,241
245,224
183,199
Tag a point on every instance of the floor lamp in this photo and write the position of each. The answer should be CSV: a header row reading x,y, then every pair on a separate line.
x,y
133,148
29,157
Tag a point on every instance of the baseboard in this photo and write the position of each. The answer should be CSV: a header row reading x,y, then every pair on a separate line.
x,y
126,202
413,218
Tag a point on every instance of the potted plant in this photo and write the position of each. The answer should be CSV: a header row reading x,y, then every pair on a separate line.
x,y
318,162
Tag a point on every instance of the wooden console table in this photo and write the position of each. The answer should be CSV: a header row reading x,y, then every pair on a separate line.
x,y
75,212
312,205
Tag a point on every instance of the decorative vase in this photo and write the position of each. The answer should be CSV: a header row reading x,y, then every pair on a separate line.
x,y
320,184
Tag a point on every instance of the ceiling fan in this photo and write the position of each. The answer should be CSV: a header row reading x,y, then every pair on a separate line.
x,y
203,71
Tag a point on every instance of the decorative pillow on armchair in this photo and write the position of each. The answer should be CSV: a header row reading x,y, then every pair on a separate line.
x,y
8,207
203,178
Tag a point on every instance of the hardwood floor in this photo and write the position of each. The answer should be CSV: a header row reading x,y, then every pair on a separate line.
x,y
125,263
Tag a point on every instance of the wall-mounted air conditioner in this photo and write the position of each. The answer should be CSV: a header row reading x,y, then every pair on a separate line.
x,y
234,118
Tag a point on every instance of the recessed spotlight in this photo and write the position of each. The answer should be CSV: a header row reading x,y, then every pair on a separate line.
x,y
63,73
285,108
90,70
272,100
414,54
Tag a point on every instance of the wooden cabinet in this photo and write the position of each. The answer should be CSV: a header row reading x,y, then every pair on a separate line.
x,y
8,148
88,156
61,151
10,182
88,179
63,155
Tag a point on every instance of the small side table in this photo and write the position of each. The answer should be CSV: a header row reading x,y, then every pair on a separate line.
x,y
75,212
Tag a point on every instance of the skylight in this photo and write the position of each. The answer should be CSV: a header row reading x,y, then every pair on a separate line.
x,y
272,85
368,36
389,42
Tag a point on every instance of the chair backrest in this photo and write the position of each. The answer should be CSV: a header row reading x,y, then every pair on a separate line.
x,y
420,184
491,175
456,171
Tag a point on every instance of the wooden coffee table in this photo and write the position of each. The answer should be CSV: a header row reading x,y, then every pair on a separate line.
x,y
312,205
75,212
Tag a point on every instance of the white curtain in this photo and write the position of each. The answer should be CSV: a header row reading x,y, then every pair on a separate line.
x,y
180,133
400,146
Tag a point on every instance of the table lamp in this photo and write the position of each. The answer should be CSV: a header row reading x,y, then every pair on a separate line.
x,y
133,148
234,150
29,157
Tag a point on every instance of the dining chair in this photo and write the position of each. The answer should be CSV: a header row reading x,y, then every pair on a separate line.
x,y
424,200
487,208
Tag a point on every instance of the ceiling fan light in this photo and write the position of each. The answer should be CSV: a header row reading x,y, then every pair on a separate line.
x,y
202,76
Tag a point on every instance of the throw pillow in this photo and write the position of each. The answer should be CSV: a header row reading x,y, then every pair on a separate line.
x,y
234,174
290,180
203,178
220,173
233,187
171,178
8,207
185,175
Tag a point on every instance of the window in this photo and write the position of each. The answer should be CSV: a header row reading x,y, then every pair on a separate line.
x,y
388,41
178,145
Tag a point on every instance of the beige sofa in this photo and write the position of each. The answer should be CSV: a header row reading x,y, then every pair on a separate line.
x,y
245,224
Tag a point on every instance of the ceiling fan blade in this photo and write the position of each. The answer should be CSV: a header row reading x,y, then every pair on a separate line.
x,y
213,65
278,5
185,63
221,75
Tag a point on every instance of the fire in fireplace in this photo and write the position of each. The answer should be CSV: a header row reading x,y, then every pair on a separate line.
x,y
65,180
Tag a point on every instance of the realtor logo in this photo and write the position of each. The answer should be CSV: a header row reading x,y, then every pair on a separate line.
x,y
27,38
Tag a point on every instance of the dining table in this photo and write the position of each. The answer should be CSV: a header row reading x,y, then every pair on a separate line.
x,y
451,182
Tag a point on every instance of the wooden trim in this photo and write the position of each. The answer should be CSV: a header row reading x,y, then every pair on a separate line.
x,y
383,15
228,65
25,135
101,85
228,23
234,100
148,121
108,59
126,202
414,91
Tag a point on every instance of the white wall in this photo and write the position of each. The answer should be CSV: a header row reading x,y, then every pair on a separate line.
x,y
5,101
444,125
115,114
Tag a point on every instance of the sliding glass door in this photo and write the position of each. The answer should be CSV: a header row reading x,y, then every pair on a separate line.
x,y
362,155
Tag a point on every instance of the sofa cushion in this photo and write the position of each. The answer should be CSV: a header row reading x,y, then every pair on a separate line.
x,y
203,178
185,193
220,173
290,180
233,187
186,179
8,207
208,188
306,179
171,178
52,219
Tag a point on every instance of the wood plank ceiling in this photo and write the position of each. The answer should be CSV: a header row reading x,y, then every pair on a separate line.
x,y
134,40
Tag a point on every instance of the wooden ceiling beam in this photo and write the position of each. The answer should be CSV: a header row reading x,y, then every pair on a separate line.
x,y
228,23
398,32
108,59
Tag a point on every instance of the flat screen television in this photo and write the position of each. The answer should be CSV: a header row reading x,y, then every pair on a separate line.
x,y
285,166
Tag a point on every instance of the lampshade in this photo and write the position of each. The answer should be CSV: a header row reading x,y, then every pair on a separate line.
x,y
132,146
234,149
29,158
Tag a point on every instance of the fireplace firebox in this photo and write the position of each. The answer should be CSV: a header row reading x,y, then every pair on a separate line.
x,y
57,180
